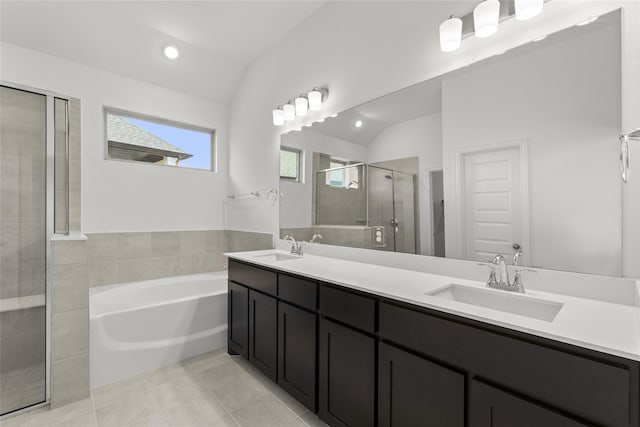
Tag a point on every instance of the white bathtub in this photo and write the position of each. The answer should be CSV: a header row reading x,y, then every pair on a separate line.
x,y
142,326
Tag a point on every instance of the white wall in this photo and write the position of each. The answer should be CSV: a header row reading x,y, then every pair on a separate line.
x,y
421,137
564,100
295,204
121,196
394,47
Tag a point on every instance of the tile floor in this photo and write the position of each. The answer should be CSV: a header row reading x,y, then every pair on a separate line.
x,y
213,389
22,387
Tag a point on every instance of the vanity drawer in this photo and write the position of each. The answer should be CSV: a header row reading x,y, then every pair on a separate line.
x,y
596,390
347,307
254,277
298,291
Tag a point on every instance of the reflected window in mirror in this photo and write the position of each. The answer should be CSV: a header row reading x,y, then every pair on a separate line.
x,y
341,175
290,164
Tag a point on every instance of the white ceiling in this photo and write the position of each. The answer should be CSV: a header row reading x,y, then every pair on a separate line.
x,y
217,39
422,99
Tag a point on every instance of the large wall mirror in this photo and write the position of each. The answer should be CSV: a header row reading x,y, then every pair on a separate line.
x,y
516,151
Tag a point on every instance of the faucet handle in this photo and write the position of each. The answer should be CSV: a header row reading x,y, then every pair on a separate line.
x,y
491,281
300,251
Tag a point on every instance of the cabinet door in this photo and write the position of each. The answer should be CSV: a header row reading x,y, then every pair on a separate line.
x,y
491,407
263,333
297,353
238,323
413,391
346,376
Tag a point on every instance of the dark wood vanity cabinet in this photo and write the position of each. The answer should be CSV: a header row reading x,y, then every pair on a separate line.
x,y
347,372
364,360
492,407
297,352
263,333
238,319
412,390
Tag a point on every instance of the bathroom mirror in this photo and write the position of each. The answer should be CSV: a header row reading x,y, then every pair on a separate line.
x,y
514,153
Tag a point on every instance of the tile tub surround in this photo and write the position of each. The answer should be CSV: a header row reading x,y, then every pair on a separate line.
x,y
70,322
213,389
616,303
135,256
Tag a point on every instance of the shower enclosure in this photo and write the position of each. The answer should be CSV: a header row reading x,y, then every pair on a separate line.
x,y
380,200
33,138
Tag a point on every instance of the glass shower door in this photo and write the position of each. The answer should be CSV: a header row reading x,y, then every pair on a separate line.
x,y
23,238
404,212
380,205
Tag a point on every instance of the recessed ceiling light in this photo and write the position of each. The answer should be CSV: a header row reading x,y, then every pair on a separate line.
x,y
587,21
171,52
540,38
358,123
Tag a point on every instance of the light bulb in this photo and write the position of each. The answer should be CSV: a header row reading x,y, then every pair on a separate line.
x,y
527,9
301,106
315,99
450,34
278,117
171,52
485,18
289,111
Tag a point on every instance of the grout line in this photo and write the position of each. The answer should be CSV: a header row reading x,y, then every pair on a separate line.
x,y
211,393
146,382
249,374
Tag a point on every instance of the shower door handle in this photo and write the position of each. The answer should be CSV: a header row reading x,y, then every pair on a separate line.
x,y
394,223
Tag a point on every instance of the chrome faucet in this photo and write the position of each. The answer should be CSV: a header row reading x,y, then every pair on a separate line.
x,y
316,236
503,274
296,247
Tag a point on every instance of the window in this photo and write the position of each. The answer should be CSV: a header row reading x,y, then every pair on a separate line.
x,y
290,160
344,177
145,139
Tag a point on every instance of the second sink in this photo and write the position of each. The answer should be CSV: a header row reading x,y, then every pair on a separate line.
x,y
509,303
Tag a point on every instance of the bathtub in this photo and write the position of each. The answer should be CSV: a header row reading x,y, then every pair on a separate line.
x,y
142,326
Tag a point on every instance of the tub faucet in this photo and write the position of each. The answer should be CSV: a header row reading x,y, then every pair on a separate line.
x,y
316,236
296,247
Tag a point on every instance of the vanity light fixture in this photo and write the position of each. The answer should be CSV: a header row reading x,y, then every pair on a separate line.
x,y
289,111
358,123
485,18
527,9
587,21
316,97
450,34
278,116
171,52
302,105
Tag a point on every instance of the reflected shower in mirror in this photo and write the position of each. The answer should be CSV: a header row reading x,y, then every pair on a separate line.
x,y
518,150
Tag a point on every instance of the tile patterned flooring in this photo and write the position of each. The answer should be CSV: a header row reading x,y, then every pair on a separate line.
x,y
22,387
213,389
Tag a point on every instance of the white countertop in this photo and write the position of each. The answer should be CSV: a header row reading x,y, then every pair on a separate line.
x,y
590,323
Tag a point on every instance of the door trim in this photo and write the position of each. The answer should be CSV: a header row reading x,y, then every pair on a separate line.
x,y
523,146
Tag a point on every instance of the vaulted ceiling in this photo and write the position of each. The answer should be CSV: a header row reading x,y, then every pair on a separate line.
x,y
217,39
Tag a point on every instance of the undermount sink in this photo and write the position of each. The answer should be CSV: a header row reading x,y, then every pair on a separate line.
x,y
276,257
501,301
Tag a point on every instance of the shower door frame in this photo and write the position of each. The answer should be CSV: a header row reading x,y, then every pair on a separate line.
x,y
50,98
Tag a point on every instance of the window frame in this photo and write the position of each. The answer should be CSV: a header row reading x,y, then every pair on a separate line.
x,y
300,169
162,121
